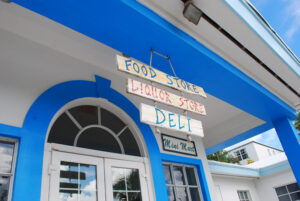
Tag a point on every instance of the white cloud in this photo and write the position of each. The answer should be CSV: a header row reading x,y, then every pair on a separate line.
x,y
292,13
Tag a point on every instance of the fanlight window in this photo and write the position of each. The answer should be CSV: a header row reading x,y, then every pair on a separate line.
x,y
95,128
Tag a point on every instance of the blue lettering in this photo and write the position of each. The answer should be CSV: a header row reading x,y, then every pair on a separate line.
x,y
127,64
157,121
152,72
188,86
183,84
144,70
180,127
138,68
169,78
194,87
189,124
175,78
171,120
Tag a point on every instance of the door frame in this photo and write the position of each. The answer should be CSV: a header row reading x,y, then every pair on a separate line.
x,y
75,158
49,169
109,163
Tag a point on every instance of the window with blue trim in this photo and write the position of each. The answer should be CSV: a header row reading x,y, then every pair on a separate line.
x,y
181,182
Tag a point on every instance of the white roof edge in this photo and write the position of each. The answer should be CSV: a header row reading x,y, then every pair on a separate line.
x,y
244,10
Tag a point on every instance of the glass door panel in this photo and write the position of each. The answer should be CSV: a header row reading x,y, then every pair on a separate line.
x,y
76,178
125,181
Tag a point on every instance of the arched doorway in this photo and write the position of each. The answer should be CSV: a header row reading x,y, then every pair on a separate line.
x,y
95,153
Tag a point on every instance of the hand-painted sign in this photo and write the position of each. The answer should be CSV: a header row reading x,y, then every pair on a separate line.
x,y
147,72
159,95
162,118
178,145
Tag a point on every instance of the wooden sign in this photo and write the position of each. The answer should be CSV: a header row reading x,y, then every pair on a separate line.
x,y
178,145
147,72
162,118
159,95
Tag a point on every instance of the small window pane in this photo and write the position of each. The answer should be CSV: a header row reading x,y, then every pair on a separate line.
x,y
129,143
119,196
167,174
242,195
89,183
178,175
85,115
284,198
182,194
118,179
66,196
171,194
133,179
195,194
191,177
77,182
63,131
4,186
6,157
134,196
281,190
293,187
295,196
98,139
111,121
87,196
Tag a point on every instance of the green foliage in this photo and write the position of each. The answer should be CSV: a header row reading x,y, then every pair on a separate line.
x,y
222,156
297,122
249,161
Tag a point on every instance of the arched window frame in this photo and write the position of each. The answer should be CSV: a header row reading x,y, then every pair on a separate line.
x,y
103,103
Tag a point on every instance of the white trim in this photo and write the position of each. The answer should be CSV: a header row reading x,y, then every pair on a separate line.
x,y
100,103
95,153
115,136
103,103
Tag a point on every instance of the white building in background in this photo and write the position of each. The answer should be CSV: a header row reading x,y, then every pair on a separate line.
x,y
252,150
270,179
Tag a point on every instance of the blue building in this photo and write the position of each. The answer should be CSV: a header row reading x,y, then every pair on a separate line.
x,y
69,129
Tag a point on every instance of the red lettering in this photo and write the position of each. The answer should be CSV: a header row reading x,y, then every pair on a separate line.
x,y
161,95
147,90
132,86
167,98
181,101
192,103
141,88
154,92
196,106
186,103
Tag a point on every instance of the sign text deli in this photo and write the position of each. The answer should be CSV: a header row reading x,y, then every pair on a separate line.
x,y
158,117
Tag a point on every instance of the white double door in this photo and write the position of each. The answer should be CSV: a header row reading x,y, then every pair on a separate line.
x,y
86,178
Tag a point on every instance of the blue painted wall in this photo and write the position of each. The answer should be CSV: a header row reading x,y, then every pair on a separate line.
x,y
32,135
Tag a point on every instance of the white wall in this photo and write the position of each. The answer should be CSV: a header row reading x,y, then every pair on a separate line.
x,y
264,152
265,185
226,187
256,152
250,149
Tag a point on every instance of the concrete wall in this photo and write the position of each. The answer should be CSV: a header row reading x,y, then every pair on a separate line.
x,y
261,189
250,149
265,185
226,187
264,152
256,152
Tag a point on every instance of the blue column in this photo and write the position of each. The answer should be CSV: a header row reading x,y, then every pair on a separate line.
x,y
288,137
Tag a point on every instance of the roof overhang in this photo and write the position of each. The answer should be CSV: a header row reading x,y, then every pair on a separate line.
x,y
237,100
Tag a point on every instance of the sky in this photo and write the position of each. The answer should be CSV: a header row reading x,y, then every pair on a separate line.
x,y
284,18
